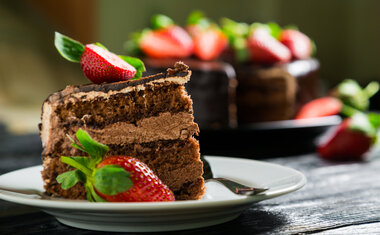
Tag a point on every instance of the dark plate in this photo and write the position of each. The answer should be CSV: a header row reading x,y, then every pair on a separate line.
x,y
266,139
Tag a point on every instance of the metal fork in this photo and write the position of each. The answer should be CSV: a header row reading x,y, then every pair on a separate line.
x,y
233,186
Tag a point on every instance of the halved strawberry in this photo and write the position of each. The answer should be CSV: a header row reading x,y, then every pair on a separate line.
x,y
265,49
100,65
209,44
320,107
114,179
170,42
298,43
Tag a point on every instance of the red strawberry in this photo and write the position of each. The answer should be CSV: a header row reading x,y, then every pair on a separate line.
x,y
298,43
170,42
209,43
321,107
266,49
147,187
344,143
100,65
114,179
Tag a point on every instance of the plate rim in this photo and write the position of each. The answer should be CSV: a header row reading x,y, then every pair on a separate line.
x,y
153,206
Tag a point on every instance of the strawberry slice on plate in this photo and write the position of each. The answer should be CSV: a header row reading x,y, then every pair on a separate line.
x,y
114,179
98,64
266,49
298,43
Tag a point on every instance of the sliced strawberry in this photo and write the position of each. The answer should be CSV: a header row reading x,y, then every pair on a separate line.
x,y
265,49
209,43
171,42
298,43
147,187
321,107
344,143
100,65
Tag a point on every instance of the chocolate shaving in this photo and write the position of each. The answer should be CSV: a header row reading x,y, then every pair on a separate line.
x,y
179,67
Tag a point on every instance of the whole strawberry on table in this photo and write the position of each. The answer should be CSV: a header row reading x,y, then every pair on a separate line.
x,y
111,179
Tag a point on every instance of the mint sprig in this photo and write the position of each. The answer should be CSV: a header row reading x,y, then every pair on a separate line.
x,y
108,180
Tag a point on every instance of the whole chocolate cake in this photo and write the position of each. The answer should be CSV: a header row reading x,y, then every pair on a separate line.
x,y
150,119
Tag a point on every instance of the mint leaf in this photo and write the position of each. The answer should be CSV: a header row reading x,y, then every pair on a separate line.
x,y
69,48
136,63
112,179
101,45
94,149
160,21
70,178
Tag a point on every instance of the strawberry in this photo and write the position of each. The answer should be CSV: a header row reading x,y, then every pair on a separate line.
x,y
98,64
265,49
351,139
209,40
298,43
146,185
321,107
170,42
114,179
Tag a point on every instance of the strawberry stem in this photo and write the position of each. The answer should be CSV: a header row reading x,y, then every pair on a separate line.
x,y
76,165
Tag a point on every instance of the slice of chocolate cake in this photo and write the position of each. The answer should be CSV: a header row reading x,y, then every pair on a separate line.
x,y
150,119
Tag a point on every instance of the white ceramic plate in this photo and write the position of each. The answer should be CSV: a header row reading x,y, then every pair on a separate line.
x,y
217,206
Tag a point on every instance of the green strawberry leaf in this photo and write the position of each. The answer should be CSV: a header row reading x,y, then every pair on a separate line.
x,y
275,29
374,119
101,45
234,29
112,179
360,122
198,18
77,162
160,21
69,48
95,149
351,94
136,63
94,197
313,47
371,89
70,178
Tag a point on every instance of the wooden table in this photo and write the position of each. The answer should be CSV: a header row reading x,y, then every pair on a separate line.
x,y
338,199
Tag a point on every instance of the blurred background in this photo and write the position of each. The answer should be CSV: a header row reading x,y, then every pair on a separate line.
x,y
345,31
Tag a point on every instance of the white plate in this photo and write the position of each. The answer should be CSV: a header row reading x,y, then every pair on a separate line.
x,y
217,206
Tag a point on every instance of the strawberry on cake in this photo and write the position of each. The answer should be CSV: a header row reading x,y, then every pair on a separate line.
x,y
124,124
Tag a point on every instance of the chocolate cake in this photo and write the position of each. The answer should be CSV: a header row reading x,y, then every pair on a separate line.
x,y
275,92
150,119
212,88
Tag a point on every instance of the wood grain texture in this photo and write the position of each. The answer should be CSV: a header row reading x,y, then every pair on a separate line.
x,y
338,199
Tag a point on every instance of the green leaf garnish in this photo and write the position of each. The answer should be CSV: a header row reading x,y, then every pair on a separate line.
x,y
94,149
361,122
70,178
69,48
136,63
275,29
371,89
198,18
112,179
160,21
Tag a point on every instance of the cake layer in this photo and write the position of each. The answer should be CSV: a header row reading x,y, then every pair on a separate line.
x,y
165,126
176,163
